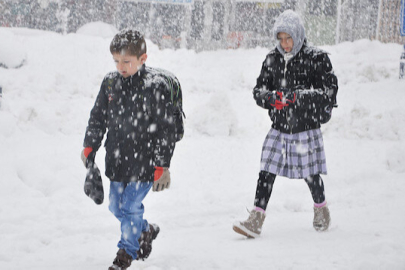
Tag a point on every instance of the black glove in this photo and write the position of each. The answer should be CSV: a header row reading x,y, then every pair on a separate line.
x,y
288,96
271,97
93,185
275,99
267,96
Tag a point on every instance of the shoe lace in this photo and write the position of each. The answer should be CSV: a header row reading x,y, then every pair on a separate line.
x,y
251,215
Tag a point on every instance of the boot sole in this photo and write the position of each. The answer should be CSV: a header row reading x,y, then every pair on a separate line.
x,y
246,233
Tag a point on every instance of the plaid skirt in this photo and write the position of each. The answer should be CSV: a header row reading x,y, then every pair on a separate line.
x,y
296,155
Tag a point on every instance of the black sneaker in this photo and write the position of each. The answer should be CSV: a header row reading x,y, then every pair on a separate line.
x,y
122,261
145,242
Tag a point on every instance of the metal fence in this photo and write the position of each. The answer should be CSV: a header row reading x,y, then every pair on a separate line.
x,y
212,24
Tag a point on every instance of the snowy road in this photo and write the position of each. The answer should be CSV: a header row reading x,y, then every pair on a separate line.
x,y
46,221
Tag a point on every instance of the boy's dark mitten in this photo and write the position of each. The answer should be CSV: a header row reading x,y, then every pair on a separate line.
x,y
93,185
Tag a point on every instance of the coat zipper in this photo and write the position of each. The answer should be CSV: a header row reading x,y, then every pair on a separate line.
x,y
286,59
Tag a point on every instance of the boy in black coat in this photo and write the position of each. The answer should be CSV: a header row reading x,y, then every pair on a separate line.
x,y
135,108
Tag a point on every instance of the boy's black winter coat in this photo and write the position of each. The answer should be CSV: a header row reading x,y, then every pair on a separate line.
x,y
310,73
138,115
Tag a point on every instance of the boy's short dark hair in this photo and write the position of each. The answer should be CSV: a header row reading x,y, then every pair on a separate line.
x,y
131,42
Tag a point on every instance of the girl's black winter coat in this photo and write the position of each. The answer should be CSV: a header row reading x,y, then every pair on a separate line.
x,y
310,75
137,113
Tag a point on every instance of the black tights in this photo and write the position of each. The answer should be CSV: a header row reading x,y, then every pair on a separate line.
x,y
266,182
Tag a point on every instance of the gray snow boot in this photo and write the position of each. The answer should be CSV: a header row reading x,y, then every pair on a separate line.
x,y
321,218
252,227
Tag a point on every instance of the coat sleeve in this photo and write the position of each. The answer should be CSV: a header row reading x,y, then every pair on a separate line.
x,y
260,91
162,127
324,84
98,120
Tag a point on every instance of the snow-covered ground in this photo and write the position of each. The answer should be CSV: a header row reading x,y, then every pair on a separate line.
x,y
47,222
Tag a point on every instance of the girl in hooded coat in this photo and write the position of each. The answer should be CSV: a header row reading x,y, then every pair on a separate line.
x,y
298,88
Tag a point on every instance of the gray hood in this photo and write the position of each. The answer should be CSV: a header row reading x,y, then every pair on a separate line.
x,y
289,22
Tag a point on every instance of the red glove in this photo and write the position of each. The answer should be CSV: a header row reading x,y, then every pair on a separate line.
x,y
87,151
158,173
85,154
279,104
162,179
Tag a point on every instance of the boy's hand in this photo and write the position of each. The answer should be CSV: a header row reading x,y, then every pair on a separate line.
x,y
162,179
87,156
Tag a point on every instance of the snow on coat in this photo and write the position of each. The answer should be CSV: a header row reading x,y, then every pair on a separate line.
x,y
138,115
308,72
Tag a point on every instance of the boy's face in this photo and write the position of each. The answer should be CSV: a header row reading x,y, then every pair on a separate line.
x,y
128,65
286,41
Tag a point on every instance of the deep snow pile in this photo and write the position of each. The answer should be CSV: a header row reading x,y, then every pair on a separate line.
x,y
46,221
11,54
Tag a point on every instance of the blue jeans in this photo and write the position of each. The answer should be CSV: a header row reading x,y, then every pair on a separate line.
x,y
126,205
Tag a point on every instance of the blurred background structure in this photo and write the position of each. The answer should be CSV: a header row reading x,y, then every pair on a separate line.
x,y
213,24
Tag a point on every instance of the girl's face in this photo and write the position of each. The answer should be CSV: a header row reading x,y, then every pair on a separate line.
x,y
128,65
286,41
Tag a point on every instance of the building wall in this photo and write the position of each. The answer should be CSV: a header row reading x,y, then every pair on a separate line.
x,y
320,18
389,28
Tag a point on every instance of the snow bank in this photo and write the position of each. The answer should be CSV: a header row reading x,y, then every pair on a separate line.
x,y
12,54
47,221
98,29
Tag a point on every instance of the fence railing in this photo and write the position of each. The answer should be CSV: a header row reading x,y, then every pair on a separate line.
x,y
213,24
